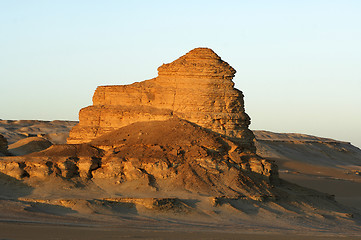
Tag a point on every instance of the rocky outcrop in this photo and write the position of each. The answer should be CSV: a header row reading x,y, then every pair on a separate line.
x,y
164,156
64,161
183,155
196,87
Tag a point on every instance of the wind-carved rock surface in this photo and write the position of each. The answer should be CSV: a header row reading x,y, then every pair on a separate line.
x,y
196,87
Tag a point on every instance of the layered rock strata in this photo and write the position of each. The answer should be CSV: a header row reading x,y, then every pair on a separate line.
x,y
196,87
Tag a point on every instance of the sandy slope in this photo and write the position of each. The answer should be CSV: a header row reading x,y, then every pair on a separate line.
x,y
324,164
29,145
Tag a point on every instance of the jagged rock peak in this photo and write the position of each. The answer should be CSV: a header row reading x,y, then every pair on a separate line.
x,y
198,62
200,53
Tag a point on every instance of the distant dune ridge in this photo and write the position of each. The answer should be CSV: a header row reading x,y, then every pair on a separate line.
x,y
175,152
55,131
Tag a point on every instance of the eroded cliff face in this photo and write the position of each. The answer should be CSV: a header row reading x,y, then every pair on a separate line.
x,y
196,87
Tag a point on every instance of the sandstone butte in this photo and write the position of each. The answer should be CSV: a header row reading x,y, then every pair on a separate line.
x,y
185,130
197,87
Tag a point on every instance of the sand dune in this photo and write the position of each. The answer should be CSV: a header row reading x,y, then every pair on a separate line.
x,y
55,131
29,145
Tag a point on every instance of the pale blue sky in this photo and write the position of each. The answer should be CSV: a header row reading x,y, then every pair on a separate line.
x,y
298,62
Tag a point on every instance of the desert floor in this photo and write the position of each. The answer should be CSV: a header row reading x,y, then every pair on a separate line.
x,y
17,230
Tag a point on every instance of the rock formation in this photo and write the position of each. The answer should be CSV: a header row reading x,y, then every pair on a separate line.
x,y
185,130
196,87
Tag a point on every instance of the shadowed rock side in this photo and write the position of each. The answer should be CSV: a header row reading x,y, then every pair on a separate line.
x,y
3,146
196,87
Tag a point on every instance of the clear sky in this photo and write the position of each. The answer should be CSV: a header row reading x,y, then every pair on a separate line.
x,y
298,62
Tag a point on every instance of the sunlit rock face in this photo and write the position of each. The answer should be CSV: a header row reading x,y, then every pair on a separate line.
x,y
197,87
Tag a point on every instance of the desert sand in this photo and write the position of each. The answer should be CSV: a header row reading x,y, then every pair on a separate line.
x,y
48,232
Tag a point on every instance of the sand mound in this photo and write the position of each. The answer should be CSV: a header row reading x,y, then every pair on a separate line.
x,y
29,145
69,150
173,133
